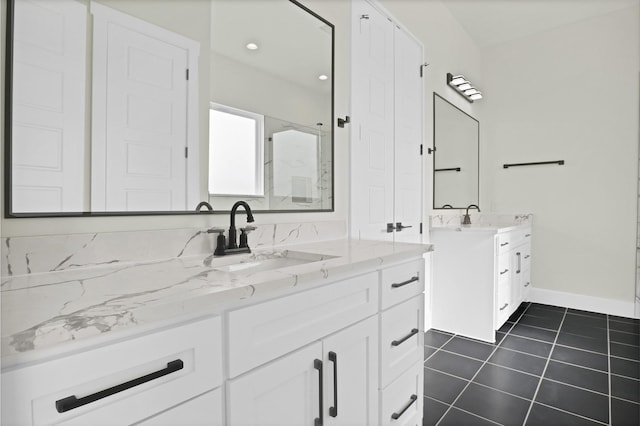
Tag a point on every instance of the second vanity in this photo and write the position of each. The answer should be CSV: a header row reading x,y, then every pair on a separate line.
x,y
323,333
481,274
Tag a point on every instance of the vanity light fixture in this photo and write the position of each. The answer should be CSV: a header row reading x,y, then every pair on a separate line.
x,y
463,87
252,46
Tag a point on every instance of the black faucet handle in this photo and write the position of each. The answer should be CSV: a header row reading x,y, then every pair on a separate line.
x,y
215,230
248,228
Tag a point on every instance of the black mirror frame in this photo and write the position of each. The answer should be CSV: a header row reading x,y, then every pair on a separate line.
x,y
434,152
8,138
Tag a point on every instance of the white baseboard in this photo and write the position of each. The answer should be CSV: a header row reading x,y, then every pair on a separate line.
x,y
582,302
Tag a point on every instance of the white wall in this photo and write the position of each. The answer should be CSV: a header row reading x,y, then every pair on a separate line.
x,y
569,94
336,12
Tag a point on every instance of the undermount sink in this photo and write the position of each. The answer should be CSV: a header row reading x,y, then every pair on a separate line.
x,y
265,262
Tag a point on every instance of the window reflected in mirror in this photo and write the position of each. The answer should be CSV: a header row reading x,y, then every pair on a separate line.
x,y
235,152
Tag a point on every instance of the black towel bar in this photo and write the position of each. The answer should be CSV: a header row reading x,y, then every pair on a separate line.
x,y
558,162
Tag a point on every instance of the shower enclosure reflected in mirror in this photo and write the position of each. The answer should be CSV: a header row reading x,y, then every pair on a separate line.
x,y
456,138
108,104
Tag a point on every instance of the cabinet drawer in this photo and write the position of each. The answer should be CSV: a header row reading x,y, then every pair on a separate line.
x,y
260,333
150,373
402,338
504,266
503,306
401,401
401,282
504,242
205,410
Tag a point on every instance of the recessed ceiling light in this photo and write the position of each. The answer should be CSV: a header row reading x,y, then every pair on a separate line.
x,y
322,77
252,46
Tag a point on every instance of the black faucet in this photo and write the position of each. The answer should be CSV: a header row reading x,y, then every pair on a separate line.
x,y
232,247
466,220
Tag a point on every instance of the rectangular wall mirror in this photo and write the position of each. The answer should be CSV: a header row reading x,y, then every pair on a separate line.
x,y
113,107
456,138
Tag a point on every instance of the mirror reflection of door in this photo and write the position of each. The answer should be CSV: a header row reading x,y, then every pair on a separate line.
x,y
48,107
139,146
456,139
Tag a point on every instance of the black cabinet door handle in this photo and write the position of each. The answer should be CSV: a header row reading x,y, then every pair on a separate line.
x,y
504,244
317,364
333,411
71,402
414,331
396,416
403,283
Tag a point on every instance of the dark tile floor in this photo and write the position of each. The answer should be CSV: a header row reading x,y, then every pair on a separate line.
x,y
549,366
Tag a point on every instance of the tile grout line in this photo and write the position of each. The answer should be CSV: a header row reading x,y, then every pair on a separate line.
x,y
483,364
533,399
609,369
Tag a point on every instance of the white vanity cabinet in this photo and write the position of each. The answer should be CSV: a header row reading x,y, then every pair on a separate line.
x,y
344,351
480,277
343,354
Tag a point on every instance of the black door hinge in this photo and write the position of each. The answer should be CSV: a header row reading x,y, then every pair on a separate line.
x,y
420,149
421,227
431,150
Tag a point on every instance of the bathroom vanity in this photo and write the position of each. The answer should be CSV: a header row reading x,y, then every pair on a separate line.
x,y
322,333
481,274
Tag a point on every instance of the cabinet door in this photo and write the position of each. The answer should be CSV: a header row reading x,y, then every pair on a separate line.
x,y
402,400
350,375
284,392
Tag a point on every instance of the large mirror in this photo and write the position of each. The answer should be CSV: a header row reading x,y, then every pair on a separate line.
x,y
125,107
456,138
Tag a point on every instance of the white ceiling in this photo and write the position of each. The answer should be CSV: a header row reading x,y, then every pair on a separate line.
x,y
491,22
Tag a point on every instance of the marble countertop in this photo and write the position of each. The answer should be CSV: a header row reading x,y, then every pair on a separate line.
x,y
48,313
488,227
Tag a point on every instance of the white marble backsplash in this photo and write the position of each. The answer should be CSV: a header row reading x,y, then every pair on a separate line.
x,y
454,217
39,254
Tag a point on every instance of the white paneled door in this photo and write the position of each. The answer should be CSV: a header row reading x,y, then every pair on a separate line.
x,y
408,137
372,173
139,157
48,106
387,109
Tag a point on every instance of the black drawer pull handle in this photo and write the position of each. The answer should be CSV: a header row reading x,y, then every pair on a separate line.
x,y
333,411
414,331
527,235
504,272
527,284
317,364
527,256
505,305
396,416
504,244
403,283
71,402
